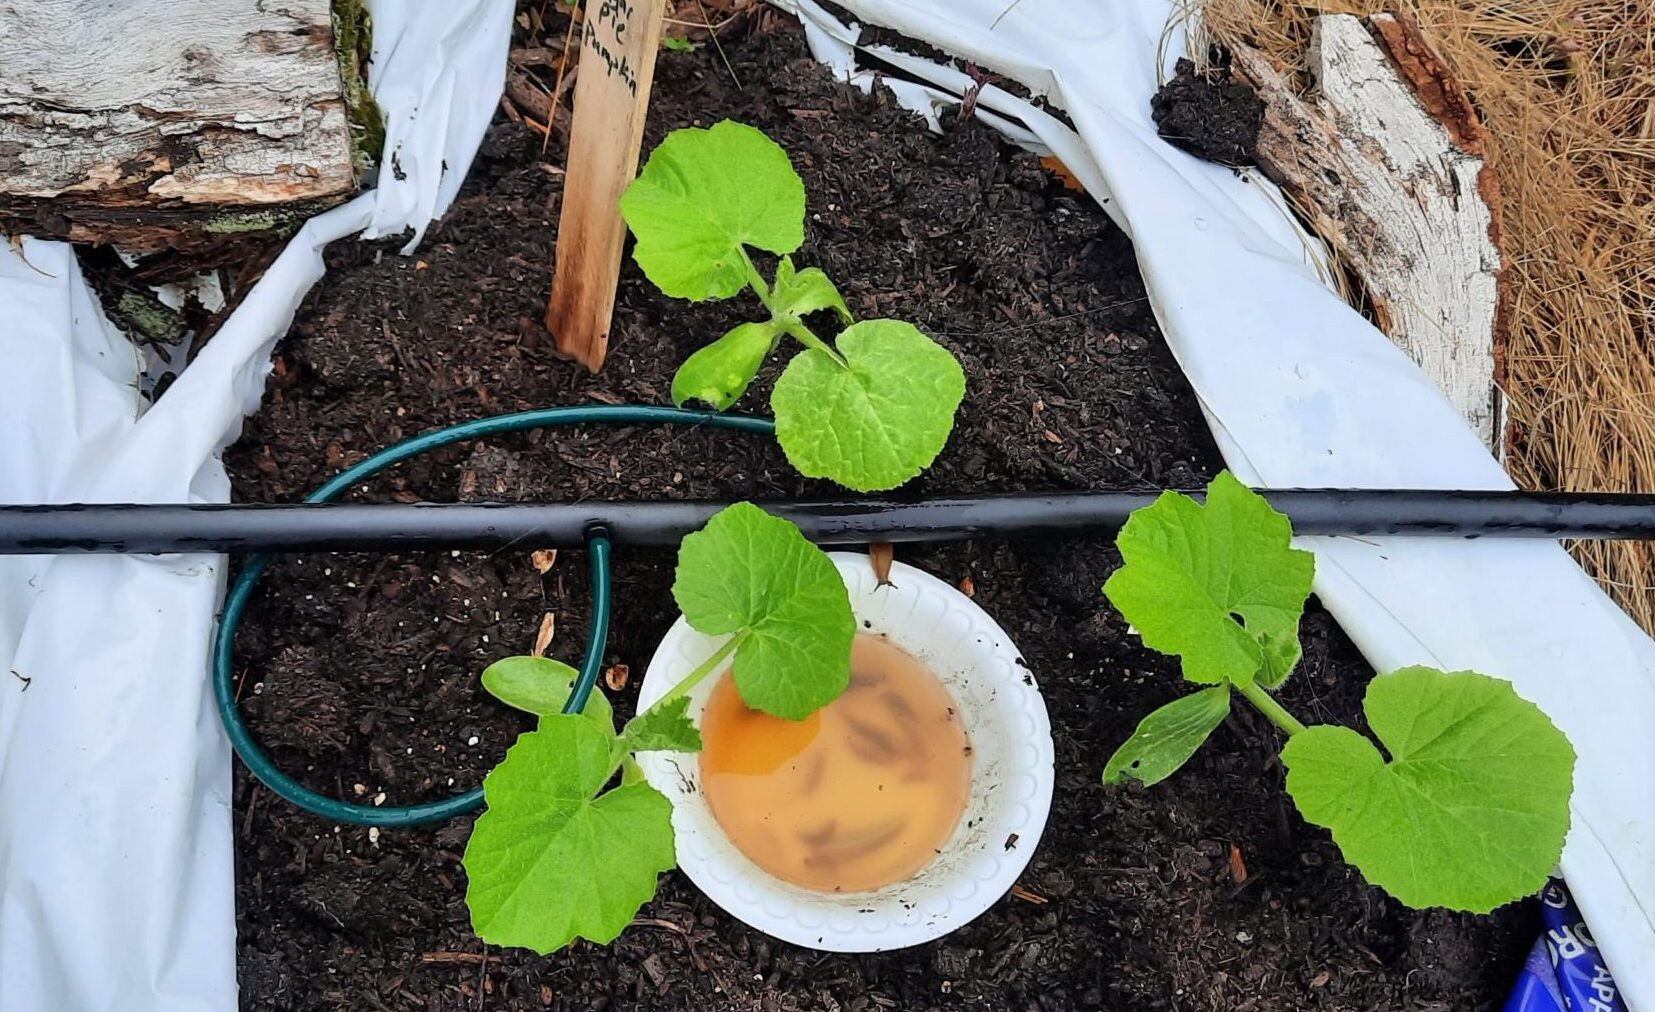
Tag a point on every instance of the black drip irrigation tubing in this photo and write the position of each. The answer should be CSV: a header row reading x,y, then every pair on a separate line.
x,y
321,525
393,527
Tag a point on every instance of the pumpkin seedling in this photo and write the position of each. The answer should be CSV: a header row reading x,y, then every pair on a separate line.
x,y
561,854
1468,804
870,410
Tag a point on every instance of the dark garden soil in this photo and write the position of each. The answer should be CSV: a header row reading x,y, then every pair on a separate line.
x,y
1209,115
1205,893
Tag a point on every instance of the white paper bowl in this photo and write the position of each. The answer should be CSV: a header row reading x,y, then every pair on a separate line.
x,y
1011,777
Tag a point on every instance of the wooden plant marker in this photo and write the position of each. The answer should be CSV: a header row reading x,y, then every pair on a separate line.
x,y
618,44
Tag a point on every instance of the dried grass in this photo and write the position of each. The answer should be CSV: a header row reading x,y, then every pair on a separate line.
x,y
1567,91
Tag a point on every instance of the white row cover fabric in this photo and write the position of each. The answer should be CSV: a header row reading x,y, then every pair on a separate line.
x,y
116,892
1301,391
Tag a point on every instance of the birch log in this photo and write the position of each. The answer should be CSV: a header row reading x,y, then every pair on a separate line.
x,y
1387,159
168,123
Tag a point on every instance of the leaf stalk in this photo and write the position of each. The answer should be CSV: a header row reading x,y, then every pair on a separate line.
x,y
707,667
754,278
1267,705
796,328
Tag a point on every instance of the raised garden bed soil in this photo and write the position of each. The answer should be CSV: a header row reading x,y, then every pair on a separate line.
x,y
360,672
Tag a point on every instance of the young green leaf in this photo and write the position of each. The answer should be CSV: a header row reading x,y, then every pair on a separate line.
x,y
799,293
754,575
877,421
704,194
1279,651
549,861
665,728
1472,808
1167,738
540,685
722,371
1191,570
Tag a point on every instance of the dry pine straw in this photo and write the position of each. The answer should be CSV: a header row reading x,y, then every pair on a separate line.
x,y
1566,89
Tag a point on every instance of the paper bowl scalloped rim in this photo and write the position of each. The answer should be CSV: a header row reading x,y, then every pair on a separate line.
x,y
1011,783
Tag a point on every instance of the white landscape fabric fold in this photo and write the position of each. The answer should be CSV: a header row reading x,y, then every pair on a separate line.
x,y
1301,391
115,852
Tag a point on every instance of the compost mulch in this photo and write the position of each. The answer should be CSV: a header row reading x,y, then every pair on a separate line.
x,y
360,673
1211,115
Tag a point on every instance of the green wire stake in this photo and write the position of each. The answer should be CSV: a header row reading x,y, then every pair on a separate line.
x,y
235,603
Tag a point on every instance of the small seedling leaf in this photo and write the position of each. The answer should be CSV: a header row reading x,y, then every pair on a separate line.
x,y
875,421
1167,738
799,293
540,685
550,860
1470,811
703,195
749,572
1190,571
722,371
665,728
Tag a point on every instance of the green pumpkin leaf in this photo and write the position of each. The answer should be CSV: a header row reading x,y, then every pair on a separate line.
x,y
1191,570
665,728
1470,811
751,574
722,371
800,293
704,194
540,685
879,419
1167,738
548,862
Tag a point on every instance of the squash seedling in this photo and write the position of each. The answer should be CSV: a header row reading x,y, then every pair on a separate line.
x,y
870,410
561,854
1468,804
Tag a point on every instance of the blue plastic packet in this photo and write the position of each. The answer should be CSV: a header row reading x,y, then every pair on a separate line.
x,y
1564,972
1536,989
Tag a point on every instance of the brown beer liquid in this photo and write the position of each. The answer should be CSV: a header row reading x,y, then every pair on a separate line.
x,y
863,793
